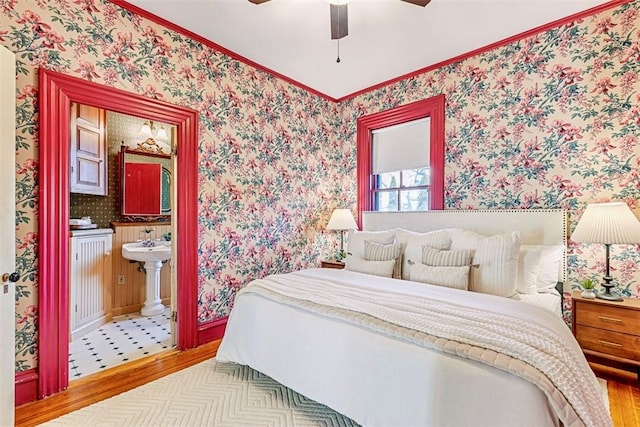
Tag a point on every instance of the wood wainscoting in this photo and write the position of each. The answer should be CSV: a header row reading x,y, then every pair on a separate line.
x,y
129,280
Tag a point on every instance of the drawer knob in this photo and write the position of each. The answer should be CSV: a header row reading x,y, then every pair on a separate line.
x,y
609,319
610,344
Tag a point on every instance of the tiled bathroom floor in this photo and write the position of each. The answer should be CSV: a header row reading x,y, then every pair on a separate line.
x,y
125,338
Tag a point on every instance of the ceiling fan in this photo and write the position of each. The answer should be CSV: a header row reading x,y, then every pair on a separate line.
x,y
338,8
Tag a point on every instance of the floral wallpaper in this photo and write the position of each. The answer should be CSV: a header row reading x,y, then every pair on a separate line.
x,y
548,121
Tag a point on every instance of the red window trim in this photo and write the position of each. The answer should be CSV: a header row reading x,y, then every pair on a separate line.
x,y
431,107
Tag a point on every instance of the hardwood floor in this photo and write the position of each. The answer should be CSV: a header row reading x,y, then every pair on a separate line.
x,y
624,394
624,389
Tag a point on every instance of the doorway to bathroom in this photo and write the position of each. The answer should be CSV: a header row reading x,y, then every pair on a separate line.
x,y
121,175
57,92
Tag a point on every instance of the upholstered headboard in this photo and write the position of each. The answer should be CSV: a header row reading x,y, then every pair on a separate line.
x,y
536,226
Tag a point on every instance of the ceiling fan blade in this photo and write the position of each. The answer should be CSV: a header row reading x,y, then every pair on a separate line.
x,y
339,24
422,3
258,1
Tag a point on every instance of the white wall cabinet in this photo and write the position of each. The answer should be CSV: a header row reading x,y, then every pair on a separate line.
x,y
88,150
90,281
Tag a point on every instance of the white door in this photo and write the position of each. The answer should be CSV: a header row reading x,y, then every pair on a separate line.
x,y
7,231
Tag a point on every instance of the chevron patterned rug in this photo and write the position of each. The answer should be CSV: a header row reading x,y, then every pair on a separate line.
x,y
207,394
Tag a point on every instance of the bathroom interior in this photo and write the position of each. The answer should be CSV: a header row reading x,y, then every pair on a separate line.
x,y
120,246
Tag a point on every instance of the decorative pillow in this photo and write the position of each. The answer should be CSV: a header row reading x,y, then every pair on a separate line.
x,y
497,259
528,261
379,252
376,268
438,258
356,239
549,267
450,277
412,243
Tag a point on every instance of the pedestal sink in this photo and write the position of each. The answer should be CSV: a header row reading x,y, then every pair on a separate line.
x,y
151,253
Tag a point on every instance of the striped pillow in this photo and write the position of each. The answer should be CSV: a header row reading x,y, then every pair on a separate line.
x,y
374,251
497,259
437,258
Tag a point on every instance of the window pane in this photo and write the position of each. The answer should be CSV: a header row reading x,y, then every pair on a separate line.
x,y
385,201
416,177
388,180
414,200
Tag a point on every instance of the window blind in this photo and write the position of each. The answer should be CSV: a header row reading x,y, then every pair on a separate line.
x,y
401,147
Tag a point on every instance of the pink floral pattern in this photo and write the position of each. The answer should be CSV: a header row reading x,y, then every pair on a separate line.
x,y
548,121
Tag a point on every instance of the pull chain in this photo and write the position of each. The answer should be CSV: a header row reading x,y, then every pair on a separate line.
x,y
338,60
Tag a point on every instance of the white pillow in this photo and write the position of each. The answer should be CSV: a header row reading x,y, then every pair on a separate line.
x,y
450,277
413,242
380,252
355,241
376,268
528,266
497,260
549,267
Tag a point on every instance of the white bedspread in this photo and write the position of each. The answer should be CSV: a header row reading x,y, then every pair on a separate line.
x,y
495,331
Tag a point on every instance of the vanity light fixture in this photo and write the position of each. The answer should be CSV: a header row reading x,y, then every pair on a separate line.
x,y
148,130
607,224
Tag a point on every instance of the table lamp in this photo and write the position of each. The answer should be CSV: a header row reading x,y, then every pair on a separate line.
x,y
608,224
342,220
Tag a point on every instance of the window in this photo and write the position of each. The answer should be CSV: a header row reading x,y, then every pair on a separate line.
x,y
400,167
401,158
406,190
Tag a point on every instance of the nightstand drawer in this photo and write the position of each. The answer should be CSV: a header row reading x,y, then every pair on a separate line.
x,y
332,264
608,317
614,343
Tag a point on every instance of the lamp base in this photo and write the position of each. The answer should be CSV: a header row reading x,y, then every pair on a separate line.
x,y
609,297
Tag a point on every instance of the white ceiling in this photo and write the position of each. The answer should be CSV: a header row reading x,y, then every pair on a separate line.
x,y
387,38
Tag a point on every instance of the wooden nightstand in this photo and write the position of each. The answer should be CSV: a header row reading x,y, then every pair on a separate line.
x,y
331,263
607,329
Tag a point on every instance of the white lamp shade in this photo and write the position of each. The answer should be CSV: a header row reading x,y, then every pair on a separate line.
x,y
145,130
607,223
342,219
162,134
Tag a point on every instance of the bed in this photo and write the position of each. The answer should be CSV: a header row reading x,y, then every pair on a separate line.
x,y
397,352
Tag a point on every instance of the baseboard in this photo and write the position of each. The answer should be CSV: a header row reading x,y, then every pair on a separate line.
x,y
26,386
211,331
91,326
134,308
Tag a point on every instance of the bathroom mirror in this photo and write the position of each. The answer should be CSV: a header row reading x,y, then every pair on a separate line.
x,y
145,182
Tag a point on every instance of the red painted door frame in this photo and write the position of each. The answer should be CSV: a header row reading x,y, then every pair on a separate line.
x,y
57,92
431,107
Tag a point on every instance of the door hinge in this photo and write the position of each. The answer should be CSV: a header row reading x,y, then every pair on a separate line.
x,y
174,316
